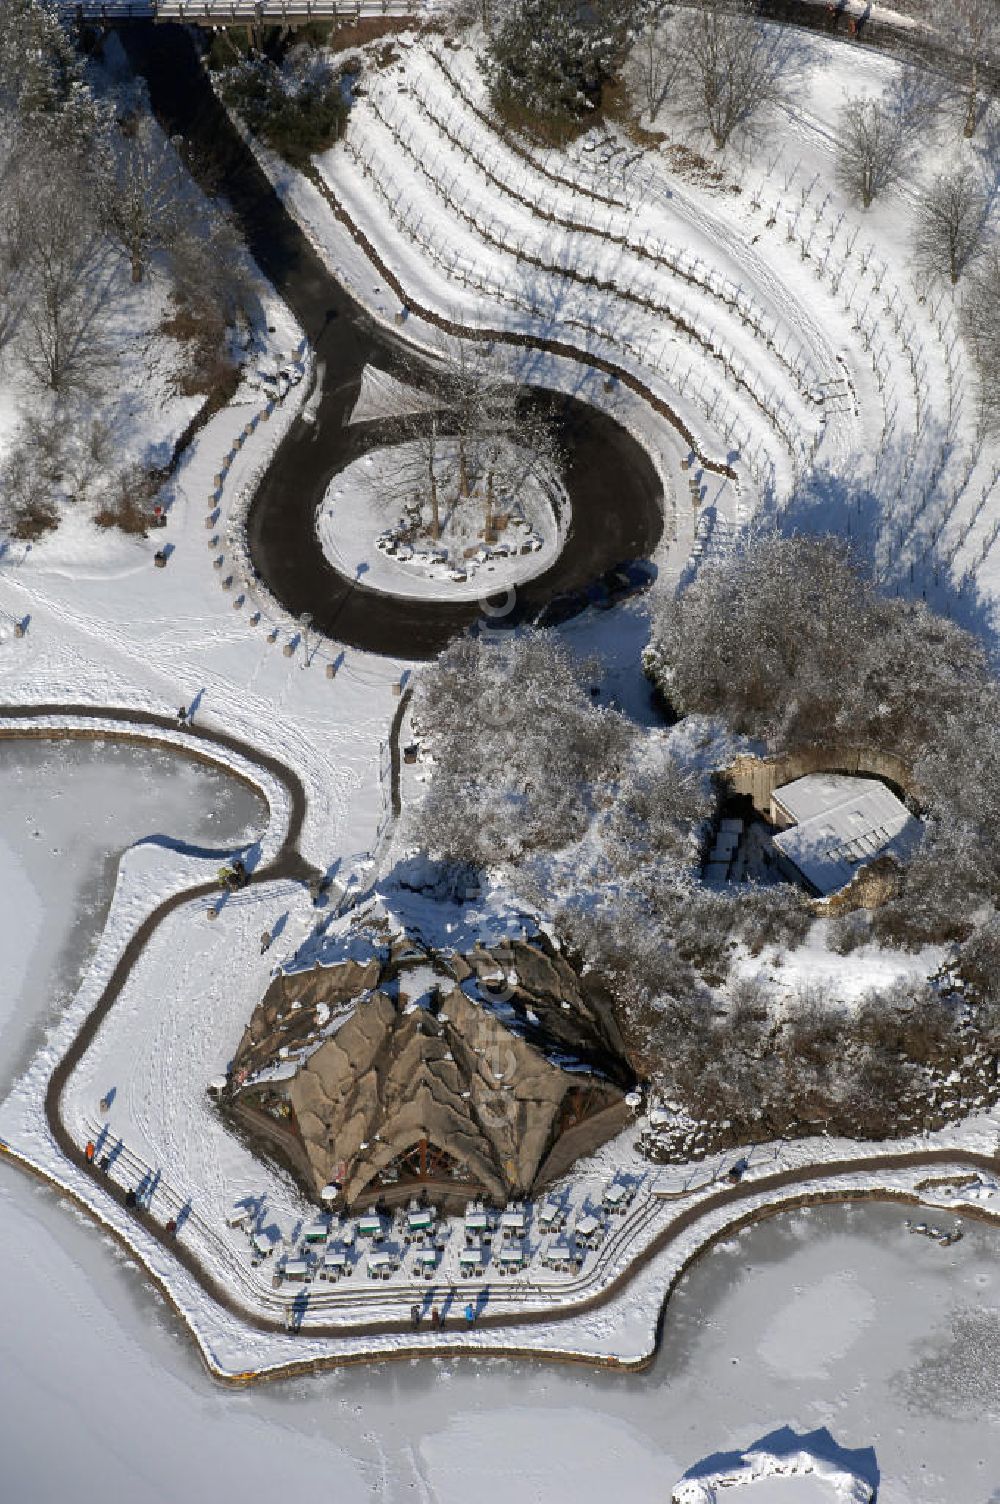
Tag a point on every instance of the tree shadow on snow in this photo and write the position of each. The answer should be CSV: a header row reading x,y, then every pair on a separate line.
x,y
897,529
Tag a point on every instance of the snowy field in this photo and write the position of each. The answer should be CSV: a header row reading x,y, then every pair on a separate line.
x,y
785,329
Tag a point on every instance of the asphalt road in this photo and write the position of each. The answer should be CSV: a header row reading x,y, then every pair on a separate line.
x,y
616,496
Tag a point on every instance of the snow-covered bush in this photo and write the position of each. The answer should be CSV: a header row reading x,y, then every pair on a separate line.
x,y
788,642
298,107
522,755
547,61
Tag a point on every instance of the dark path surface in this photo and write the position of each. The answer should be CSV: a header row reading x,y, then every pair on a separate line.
x,y
616,495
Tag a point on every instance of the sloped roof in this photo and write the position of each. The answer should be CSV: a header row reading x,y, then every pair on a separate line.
x,y
425,1058
842,824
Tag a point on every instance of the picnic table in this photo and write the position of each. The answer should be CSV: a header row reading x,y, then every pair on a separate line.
x,y
476,1225
617,1197
426,1261
335,1263
371,1227
512,1224
419,1222
297,1269
588,1230
316,1232
551,1217
381,1265
563,1255
512,1256
471,1261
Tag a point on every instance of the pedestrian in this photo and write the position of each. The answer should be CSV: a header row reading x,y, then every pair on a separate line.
x,y
436,1321
90,1151
172,1227
265,941
130,1197
182,716
415,1315
470,1314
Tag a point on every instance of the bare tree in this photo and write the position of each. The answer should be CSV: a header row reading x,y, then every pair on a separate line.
x,y
975,24
15,266
981,322
951,223
72,273
477,438
654,63
142,195
872,147
736,66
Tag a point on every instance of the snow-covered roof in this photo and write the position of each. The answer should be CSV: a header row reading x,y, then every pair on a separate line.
x,y
840,824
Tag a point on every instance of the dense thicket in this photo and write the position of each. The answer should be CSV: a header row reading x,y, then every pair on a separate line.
x,y
547,61
90,195
789,643
298,105
600,824
521,753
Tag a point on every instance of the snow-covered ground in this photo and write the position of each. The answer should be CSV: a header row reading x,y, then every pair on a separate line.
x,y
364,507
813,348
783,326
175,1026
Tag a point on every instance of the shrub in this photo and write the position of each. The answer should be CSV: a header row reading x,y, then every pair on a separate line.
x,y
298,109
548,61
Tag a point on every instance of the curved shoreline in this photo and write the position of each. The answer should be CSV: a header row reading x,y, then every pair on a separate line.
x,y
288,863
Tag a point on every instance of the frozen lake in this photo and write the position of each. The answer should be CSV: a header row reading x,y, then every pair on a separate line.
x,y
838,1318
67,812
834,1318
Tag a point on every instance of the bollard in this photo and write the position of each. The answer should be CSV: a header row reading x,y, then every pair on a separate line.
x,y
227,583
212,912
19,629
288,649
331,671
255,619
239,603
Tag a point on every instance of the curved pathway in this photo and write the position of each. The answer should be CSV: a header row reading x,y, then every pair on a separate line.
x,y
281,249
616,494
787,1187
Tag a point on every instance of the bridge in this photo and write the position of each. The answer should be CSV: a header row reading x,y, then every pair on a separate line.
x,y
248,12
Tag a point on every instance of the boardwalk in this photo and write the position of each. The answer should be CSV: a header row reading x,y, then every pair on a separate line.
x,y
247,12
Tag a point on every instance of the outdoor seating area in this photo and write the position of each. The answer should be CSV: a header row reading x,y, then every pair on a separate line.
x,y
415,1241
